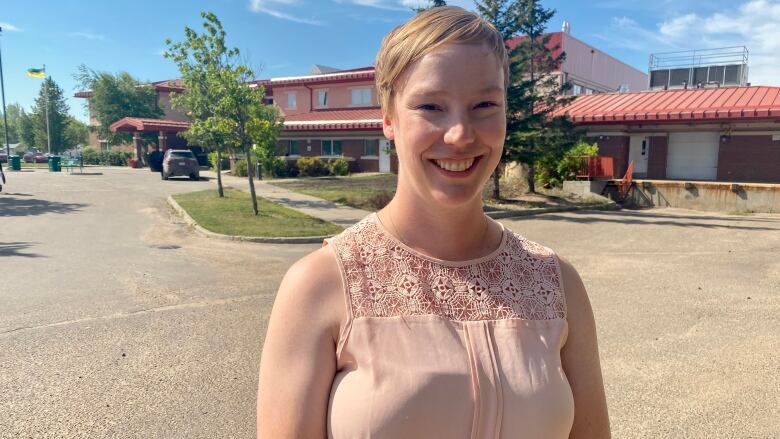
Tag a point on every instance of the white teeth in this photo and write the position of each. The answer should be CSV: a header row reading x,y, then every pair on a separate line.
x,y
455,166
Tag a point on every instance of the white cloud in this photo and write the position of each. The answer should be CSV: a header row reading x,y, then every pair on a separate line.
x,y
88,35
9,27
270,7
754,24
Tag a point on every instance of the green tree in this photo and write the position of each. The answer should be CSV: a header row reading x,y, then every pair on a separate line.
x,y
431,4
76,133
51,98
13,113
24,127
534,91
114,97
226,108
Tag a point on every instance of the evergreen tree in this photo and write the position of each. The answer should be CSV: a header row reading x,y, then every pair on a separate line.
x,y
13,113
24,127
50,97
534,91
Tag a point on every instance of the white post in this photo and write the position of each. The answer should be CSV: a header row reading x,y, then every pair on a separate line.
x,y
46,91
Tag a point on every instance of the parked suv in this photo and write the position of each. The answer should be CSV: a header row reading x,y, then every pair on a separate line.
x,y
178,162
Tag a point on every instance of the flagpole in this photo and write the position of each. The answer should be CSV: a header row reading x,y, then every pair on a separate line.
x,y
46,90
2,91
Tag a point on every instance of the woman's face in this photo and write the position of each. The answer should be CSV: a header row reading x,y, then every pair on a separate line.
x,y
448,123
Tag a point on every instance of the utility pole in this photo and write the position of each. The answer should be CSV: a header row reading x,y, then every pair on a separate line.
x,y
2,91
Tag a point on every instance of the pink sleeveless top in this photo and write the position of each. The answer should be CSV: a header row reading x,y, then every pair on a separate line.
x,y
438,349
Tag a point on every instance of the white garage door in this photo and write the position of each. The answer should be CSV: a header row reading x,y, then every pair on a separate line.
x,y
693,156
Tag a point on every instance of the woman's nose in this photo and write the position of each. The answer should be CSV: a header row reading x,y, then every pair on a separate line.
x,y
459,131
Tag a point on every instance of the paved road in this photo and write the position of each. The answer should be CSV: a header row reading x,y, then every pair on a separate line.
x,y
117,321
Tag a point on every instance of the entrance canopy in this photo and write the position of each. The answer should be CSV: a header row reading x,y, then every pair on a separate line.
x,y
136,124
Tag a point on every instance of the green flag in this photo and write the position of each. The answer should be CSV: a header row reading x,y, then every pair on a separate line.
x,y
36,73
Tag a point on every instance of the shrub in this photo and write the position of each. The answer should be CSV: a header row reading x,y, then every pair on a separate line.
x,y
312,167
90,156
240,169
339,166
274,167
550,171
213,161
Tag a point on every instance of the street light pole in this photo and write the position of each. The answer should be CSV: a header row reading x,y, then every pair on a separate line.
x,y
2,91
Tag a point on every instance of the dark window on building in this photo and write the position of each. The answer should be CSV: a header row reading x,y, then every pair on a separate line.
x,y
716,74
659,78
679,76
732,75
294,147
331,147
371,147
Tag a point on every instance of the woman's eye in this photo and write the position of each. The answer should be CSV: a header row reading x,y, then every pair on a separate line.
x,y
486,104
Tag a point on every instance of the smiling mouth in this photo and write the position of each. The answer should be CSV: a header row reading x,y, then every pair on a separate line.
x,y
457,165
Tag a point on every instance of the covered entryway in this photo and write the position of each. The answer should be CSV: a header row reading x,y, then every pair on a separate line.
x,y
163,127
693,156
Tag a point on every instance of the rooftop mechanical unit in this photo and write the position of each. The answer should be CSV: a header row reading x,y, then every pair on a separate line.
x,y
725,66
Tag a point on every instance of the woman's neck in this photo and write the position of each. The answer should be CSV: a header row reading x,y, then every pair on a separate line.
x,y
453,234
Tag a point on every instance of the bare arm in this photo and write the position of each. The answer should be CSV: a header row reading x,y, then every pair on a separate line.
x,y
580,358
299,360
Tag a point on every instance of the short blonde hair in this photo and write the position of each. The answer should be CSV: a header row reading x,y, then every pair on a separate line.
x,y
426,31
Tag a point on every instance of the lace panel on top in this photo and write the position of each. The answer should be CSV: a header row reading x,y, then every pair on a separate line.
x,y
386,279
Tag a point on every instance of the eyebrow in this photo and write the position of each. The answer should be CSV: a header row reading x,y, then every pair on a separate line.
x,y
435,92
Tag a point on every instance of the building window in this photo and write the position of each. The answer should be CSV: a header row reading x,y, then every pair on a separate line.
x,y
576,90
331,147
371,147
322,98
294,147
588,91
361,96
292,100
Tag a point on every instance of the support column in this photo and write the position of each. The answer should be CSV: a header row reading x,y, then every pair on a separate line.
x,y
139,154
162,141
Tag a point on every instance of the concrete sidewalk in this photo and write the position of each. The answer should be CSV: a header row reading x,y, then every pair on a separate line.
x,y
344,216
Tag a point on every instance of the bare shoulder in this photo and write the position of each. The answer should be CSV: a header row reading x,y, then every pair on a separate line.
x,y
574,291
299,352
313,287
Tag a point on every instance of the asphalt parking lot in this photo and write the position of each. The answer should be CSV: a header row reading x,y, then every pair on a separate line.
x,y
117,321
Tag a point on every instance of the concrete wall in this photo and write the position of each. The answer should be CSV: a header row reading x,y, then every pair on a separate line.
x,y
708,196
749,158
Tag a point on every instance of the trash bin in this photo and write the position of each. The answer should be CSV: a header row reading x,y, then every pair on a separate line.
x,y
54,163
16,163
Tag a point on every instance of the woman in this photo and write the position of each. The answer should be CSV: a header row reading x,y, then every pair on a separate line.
x,y
428,319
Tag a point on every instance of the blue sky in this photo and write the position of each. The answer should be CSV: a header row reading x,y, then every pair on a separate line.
x,y
286,37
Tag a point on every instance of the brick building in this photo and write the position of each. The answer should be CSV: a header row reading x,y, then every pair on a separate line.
x,y
708,134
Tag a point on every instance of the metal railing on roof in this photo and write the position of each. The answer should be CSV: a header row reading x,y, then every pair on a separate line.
x,y
698,58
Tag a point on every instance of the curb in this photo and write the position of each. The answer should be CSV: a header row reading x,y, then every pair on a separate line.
x,y
499,214
257,239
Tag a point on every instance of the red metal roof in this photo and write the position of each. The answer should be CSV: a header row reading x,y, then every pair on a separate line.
x,y
335,120
134,124
677,106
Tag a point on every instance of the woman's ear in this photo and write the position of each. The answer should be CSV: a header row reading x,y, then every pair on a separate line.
x,y
387,126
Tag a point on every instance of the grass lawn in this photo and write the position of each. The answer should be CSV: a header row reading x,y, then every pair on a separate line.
x,y
362,192
232,215
374,191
